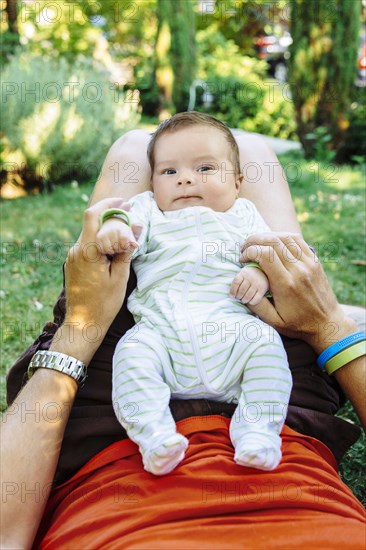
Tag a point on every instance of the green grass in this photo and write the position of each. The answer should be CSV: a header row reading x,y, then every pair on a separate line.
x,y
38,230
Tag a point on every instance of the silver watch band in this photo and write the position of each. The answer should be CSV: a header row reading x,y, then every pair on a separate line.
x,y
61,362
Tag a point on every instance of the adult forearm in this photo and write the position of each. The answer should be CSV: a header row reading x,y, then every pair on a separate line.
x,y
32,430
352,379
265,183
352,376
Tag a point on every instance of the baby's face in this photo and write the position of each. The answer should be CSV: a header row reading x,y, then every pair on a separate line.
x,y
194,167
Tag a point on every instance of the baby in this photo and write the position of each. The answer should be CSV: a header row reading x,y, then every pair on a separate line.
x,y
194,337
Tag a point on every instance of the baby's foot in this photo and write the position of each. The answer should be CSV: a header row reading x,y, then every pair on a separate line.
x,y
166,456
258,451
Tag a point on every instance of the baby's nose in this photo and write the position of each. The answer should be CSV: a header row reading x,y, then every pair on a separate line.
x,y
186,178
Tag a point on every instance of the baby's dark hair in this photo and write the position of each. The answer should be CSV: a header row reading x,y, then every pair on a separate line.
x,y
193,118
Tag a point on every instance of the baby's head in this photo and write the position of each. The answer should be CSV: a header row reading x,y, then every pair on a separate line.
x,y
194,161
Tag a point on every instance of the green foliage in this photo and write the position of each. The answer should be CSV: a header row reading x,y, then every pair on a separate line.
x,y
60,118
243,96
59,28
9,44
320,139
241,21
353,466
182,50
354,146
276,114
323,67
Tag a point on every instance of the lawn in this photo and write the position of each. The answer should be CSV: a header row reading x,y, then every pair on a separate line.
x,y
38,230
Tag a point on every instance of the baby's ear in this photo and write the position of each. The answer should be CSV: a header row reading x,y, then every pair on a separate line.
x,y
238,183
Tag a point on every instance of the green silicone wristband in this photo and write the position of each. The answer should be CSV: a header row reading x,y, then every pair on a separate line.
x,y
345,356
115,213
252,264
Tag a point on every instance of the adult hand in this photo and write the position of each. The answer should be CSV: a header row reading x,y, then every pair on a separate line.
x,y
303,304
95,287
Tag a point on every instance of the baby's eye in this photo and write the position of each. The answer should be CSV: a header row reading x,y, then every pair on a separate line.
x,y
205,168
169,171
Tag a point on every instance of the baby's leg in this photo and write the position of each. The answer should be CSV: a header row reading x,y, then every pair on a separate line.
x,y
141,401
262,406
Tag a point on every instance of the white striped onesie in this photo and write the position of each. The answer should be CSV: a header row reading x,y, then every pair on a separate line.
x,y
192,340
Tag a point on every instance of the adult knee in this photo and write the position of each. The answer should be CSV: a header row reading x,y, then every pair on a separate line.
x,y
132,138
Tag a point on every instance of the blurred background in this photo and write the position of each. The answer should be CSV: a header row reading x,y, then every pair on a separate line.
x,y
77,74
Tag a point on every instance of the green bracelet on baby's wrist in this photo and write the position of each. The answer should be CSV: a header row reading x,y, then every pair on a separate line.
x,y
115,213
253,264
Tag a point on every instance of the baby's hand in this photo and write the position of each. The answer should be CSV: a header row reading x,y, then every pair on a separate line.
x,y
249,286
115,237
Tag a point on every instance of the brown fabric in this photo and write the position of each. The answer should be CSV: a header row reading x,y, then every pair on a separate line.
x,y
92,425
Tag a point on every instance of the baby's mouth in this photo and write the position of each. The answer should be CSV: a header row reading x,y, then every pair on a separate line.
x,y
189,197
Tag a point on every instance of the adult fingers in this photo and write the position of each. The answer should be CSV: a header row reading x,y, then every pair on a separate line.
x,y
266,239
293,246
269,258
92,214
272,243
303,246
268,313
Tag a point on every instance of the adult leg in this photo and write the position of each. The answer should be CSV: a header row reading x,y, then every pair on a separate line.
x,y
126,172
264,183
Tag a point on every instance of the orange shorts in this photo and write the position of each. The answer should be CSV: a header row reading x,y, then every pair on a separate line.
x,y
207,502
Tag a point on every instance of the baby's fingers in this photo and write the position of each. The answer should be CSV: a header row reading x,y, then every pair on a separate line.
x,y
242,290
238,279
247,296
255,300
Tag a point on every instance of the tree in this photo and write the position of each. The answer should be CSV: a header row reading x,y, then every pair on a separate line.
x,y
171,70
11,9
323,68
10,38
181,19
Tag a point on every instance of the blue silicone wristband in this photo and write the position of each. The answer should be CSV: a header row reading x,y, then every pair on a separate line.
x,y
339,346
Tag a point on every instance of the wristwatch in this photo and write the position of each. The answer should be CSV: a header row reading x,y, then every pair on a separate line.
x,y
61,362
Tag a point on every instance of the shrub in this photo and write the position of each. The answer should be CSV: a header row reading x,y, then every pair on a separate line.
x,y
354,146
276,115
60,119
242,94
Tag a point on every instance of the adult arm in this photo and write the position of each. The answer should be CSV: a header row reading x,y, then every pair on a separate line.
x,y
126,172
32,428
304,305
